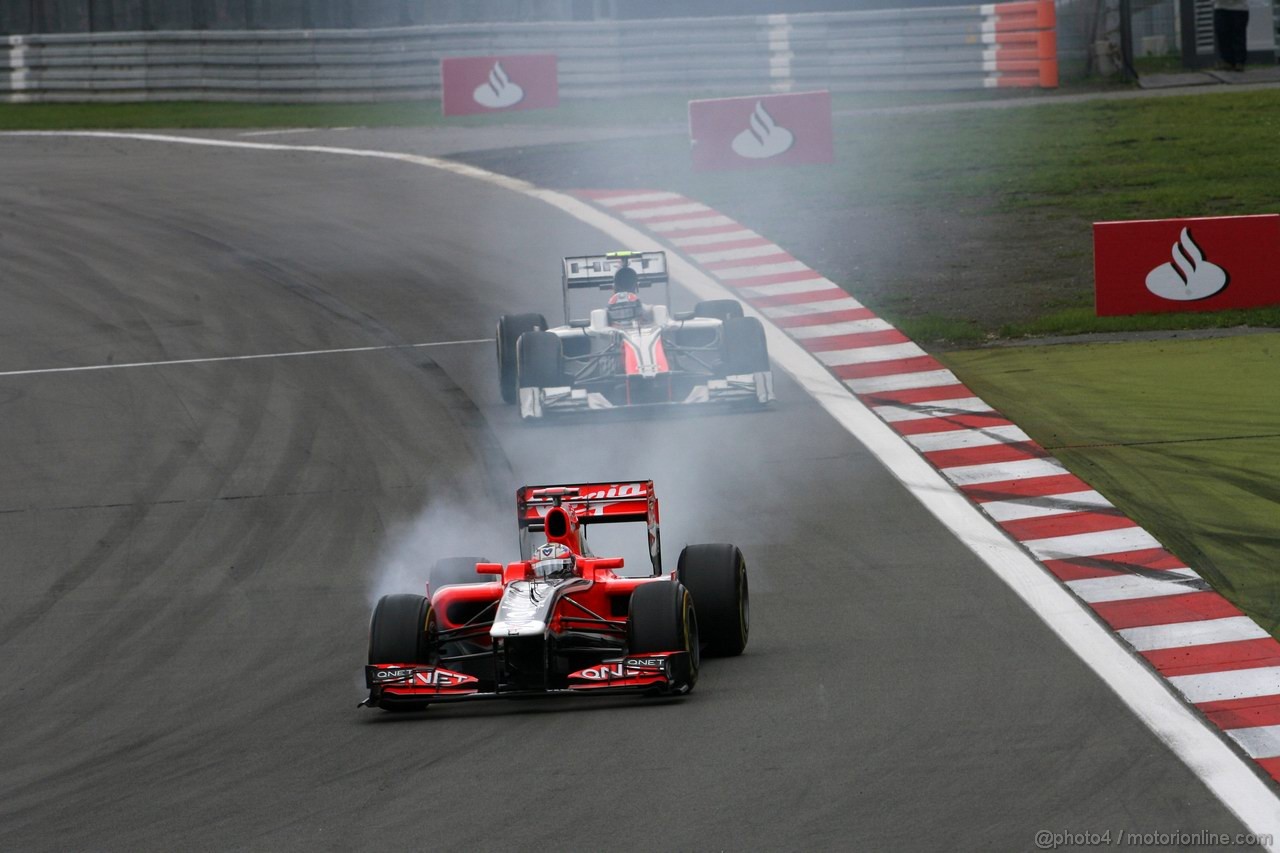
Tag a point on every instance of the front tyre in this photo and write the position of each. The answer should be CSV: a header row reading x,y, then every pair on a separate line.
x,y
745,347
510,328
402,630
662,619
716,575
539,360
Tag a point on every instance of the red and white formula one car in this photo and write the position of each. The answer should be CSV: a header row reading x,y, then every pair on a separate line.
x,y
630,352
562,620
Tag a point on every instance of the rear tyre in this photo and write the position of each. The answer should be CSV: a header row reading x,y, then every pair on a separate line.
x,y
510,328
718,309
716,576
402,630
745,348
539,360
456,570
662,619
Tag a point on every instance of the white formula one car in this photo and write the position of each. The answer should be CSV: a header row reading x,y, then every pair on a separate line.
x,y
629,352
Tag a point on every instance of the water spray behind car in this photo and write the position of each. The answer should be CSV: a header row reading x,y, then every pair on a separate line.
x,y
447,526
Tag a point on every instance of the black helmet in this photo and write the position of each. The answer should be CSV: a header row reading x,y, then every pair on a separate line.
x,y
625,280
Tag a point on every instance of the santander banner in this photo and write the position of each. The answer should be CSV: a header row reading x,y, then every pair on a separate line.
x,y
758,131
485,84
1203,264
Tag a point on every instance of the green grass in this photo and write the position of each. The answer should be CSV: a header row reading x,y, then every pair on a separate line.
x,y
421,113
1142,158
1183,436
214,115
1078,321
620,113
1154,157
931,327
1169,63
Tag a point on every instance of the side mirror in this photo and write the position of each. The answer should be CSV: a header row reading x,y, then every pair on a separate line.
x,y
610,563
599,322
488,568
516,571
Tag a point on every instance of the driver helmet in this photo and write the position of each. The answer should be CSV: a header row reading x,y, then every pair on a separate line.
x,y
624,307
625,280
552,560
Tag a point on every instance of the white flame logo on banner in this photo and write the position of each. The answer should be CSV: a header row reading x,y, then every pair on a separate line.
x,y
763,137
499,91
1189,276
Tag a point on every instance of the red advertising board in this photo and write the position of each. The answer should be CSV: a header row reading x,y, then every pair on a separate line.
x,y
1200,264
485,84
759,131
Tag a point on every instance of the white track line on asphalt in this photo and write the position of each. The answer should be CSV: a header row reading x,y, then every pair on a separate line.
x,y
1181,635
753,270
869,355
638,198
1041,507
848,327
682,224
280,132
1092,544
1258,741
1127,587
933,409
641,213
957,439
903,381
713,239
998,472
808,285
216,358
764,250
803,309
1230,684
1236,783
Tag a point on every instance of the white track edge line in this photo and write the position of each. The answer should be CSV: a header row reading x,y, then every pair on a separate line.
x,y
1230,776
216,358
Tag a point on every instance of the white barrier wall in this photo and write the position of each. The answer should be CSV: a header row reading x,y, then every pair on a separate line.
x,y
1005,44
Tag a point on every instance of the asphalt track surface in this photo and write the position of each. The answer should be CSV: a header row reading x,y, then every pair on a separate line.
x,y
191,551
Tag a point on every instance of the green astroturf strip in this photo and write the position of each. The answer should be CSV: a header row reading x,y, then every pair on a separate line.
x,y
1182,435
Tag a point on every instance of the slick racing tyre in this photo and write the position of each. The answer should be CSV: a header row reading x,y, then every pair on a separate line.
x,y
718,309
510,328
662,619
745,349
539,361
448,571
402,630
716,576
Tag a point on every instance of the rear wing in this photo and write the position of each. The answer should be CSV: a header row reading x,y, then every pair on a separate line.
x,y
592,503
597,270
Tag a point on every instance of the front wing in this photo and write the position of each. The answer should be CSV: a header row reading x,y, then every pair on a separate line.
x,y
409,684
741,388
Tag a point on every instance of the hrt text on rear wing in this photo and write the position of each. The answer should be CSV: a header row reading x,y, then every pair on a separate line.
x,y
596,272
